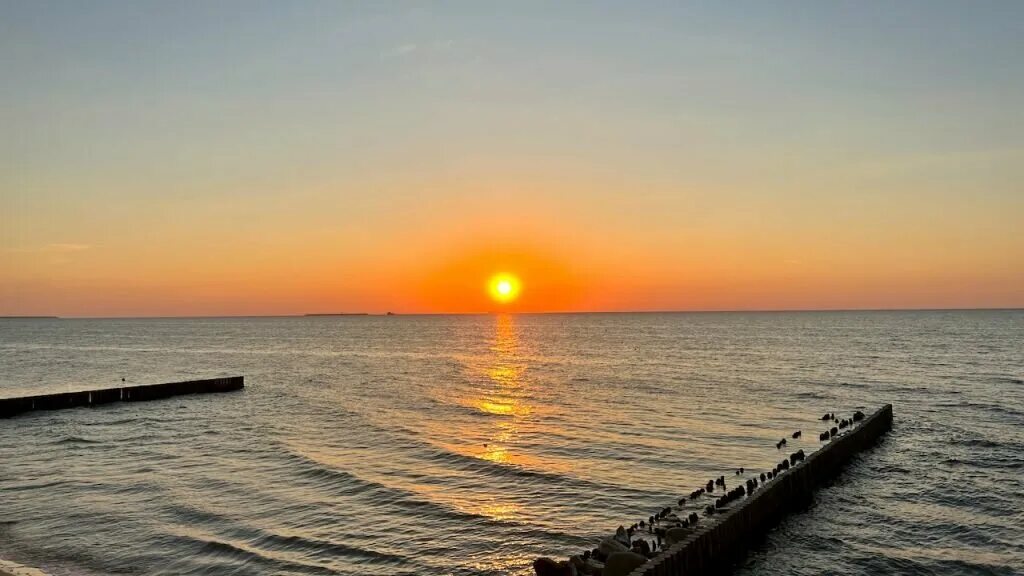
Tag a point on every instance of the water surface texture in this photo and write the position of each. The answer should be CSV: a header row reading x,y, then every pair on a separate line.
x,y
435,445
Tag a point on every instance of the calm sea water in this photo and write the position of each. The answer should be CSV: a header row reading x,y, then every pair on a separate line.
x,y
472,444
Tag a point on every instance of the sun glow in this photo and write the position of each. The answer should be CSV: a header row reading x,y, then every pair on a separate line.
x,y
504,288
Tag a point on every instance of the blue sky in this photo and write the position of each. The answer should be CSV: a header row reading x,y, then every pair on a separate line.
x,y
855,125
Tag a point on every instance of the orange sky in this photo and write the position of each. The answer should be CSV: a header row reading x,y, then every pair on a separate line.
x,y
195,160
428,259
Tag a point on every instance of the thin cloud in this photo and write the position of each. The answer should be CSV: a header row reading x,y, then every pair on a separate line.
x,y
402,50
64,248
410,48
54,248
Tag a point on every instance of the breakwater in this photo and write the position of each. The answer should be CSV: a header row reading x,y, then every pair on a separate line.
x,y
13,406
710,545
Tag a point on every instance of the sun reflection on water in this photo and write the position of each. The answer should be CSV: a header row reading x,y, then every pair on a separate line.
x,y
503,403
504,393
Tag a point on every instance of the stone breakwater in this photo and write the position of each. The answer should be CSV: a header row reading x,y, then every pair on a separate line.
x,y
13,406
684,539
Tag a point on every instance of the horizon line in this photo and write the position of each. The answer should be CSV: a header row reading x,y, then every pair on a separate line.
x,y
498,312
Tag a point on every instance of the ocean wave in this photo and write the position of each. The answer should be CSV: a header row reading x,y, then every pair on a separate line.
x,y
341,483
812,395
115,422
219,555
360,451
30,485
76,440
324,548
978,443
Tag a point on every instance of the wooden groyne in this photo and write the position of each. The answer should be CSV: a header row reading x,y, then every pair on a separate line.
x,y
14,406
713,544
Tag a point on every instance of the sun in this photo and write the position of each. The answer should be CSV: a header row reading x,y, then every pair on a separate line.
x,y
504,288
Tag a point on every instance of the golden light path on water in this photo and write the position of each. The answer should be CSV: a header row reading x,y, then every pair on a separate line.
x,y
493,383
506,397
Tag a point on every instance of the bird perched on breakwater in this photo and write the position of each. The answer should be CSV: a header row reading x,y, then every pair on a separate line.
x,y
684,521
730,496
622,536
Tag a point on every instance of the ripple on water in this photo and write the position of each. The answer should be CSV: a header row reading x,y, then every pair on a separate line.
x,y
470,445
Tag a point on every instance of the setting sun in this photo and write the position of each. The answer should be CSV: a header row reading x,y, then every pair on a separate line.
x,y
504,287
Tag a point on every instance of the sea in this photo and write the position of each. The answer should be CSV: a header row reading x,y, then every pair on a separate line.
x,y
470,445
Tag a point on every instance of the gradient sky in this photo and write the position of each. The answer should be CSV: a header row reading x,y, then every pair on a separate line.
x,y
205,158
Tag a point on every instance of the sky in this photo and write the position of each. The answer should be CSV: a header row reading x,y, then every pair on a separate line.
x,y
237,158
